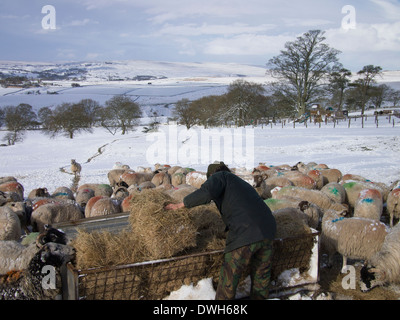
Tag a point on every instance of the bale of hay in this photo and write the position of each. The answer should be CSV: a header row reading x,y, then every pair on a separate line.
x,y
103,248
161,233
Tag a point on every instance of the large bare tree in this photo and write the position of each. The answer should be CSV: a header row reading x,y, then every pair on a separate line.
x,y
302,68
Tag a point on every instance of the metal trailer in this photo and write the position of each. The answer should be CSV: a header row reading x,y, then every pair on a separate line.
x,y
152,280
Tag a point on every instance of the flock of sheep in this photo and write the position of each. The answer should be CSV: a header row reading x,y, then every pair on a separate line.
x,y
346,208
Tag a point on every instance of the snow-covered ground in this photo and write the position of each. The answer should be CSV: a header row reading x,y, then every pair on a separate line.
x,y
371,152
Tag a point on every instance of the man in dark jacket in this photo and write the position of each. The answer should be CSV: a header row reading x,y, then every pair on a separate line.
x,y
251,228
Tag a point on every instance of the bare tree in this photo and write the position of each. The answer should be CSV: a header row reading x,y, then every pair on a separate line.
x,y
302,66
121,111
17,120
67,119
185,113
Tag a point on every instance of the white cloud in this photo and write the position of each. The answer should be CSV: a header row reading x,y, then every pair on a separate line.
x,y
213,29
81,23
247,44
366,38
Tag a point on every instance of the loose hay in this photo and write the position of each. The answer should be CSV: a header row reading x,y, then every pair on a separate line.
x,y
162,233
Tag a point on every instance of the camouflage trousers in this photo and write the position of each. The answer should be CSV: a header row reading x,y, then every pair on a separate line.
x,y
256,258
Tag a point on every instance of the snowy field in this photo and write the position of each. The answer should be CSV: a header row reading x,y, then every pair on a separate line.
x,y
371,152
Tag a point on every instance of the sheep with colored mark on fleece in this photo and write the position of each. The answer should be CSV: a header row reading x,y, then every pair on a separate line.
x,y
354,238
314,196
102,206
335,191
383,267
13,187
369,204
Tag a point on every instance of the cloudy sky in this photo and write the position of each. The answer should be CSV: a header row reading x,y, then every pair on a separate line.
x,y
250,31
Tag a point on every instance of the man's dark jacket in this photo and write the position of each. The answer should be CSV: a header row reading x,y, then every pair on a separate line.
x,y
245,214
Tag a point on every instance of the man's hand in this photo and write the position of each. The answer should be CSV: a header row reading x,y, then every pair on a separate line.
x,y
174,206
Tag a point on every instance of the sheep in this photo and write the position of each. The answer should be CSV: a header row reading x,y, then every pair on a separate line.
x,y
318,177
299,179
393,205
177,179
10,225
369,205
39,193
120,193
28,284
114,176
353,189
161,178
83,196
180,192
314,196
136,178
384,266
7,179
63,193
23,213
54,212
16,256
335,191
14,187
313,212
100,189
196,178
102,206
354,238
119,165
332,175
76,168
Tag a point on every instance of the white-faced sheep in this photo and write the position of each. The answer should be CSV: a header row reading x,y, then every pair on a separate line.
x,y
10,225
28,284
114,176
354,238
23,213
76,168
16,256
369,205
384,266
393,205
314,196
53,213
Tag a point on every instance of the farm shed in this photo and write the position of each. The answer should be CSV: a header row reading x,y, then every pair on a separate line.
x,y
156,279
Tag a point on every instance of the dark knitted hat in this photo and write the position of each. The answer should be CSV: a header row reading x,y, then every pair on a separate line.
x,y
212,168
